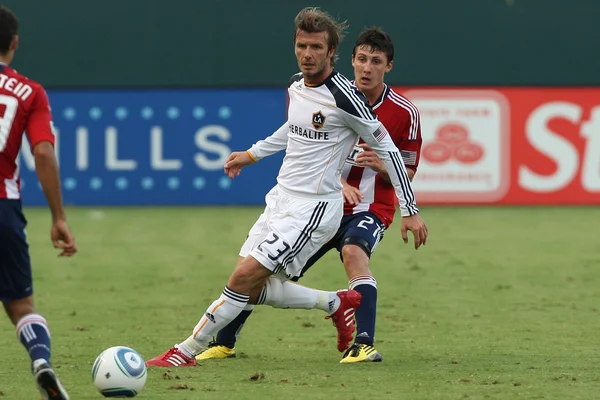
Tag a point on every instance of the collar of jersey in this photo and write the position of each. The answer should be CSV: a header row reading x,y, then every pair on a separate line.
x,y
381,97
324,80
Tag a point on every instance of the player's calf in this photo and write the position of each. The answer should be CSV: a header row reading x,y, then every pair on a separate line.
x,y
356,260
33,332
356,263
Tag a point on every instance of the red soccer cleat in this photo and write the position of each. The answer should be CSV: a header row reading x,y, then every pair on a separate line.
x,y
343,318
172,358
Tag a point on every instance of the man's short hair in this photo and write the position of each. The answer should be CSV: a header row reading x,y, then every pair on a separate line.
x,y
377,40
314,20
9,28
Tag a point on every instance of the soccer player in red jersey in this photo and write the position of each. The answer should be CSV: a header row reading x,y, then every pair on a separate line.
x,y
24,108
370,206
370,201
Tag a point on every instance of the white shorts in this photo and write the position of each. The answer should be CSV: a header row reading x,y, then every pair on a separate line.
x,y
291,230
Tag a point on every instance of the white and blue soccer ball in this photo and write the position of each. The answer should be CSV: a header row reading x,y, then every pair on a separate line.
x,y
119,372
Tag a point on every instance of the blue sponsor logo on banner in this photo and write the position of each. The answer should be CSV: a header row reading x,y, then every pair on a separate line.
x,y
159,147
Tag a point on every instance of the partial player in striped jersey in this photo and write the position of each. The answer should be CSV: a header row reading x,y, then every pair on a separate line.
x,y
370,200
303,211
24,110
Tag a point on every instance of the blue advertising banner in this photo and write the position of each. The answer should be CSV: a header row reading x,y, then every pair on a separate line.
x,y
159,147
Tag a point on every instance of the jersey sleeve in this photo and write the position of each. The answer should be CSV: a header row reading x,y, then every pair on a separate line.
x,y
410,145
295,78
271,145
39,127
359,116
374,134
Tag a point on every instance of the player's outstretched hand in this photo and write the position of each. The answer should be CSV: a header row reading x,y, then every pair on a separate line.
x,y
236,161
63,239
351,194
415,224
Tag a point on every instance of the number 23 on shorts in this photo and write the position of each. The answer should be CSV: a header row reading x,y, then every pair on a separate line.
x,y
274,245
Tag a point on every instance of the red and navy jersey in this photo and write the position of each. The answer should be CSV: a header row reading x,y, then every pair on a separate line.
x,y
402,120
24,108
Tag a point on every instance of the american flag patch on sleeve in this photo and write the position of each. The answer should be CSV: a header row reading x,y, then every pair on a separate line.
x,y
409,157
380,133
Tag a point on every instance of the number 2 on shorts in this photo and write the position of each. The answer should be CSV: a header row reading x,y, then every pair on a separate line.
x,y
369,221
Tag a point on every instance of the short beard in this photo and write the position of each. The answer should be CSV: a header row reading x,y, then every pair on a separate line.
x,y
312,75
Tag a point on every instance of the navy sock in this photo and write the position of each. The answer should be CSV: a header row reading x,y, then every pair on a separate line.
x,y
228,335
365,313
33,332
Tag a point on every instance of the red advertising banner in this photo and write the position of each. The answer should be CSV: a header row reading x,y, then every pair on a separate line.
x,y
508,145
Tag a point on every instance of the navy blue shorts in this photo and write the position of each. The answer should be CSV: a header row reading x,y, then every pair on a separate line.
x,y
15,266
364,230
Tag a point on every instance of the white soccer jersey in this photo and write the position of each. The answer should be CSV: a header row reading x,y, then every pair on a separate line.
x,y
322,127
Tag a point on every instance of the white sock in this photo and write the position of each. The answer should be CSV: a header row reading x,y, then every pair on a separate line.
x,y
284,294
327,301
219,314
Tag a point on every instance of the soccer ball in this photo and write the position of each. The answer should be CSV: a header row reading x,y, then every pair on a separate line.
x,y
119,372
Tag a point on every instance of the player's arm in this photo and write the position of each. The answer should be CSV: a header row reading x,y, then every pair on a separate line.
x,y
41,138
374,134
46,167
271,145
364,122
274,143
379,139
261,149
410,171
368,158
410,149
410,146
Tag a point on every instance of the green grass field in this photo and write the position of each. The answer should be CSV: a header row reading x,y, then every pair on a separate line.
x,y
502,303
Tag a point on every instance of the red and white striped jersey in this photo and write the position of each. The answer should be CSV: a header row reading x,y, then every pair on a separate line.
x,y
402,120
24,108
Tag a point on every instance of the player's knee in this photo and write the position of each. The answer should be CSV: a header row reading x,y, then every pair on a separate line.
x,y
356,261
239,261
257,292
353,254
17,309
248,275
242,281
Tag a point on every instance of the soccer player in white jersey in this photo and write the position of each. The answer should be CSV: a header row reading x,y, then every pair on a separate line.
x,y
369,197
326,114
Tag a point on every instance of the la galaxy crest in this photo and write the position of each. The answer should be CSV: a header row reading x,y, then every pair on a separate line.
x,y
318,120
